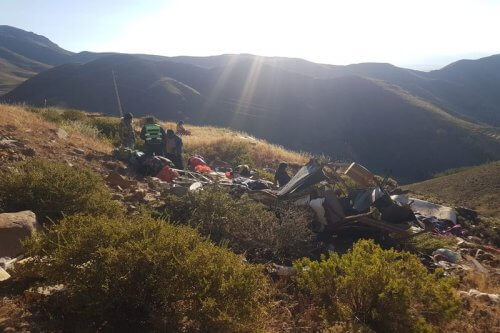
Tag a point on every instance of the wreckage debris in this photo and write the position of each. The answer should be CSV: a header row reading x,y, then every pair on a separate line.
x,y
338,206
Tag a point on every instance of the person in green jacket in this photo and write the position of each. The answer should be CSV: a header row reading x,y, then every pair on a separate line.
x,y
154,138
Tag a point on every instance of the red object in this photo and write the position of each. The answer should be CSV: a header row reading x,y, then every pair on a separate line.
x,y
167,174
194,161
203,168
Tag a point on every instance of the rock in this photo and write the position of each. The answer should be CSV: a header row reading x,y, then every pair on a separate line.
x,y
28,152
485,297
115,179
6,143
13,228
37,293
178,190
61,134
79,151
137,195
118,196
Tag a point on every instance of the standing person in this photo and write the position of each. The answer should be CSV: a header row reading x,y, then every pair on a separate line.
x,y
173,149
126,131
154,137
281,177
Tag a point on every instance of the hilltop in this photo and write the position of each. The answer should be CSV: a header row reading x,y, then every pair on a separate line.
x,y
24,54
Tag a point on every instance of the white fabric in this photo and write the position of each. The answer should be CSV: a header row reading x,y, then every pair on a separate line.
x,y
317,206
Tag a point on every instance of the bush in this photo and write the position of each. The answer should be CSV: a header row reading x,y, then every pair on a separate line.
x,y
146,274
52,189
73,115
51,115
388,290
107,127
246,225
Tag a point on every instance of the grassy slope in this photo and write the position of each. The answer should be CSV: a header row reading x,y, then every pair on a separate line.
x,y
40,134
477,188
208,141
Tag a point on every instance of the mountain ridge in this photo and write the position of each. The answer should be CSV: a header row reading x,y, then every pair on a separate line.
x,y
415,123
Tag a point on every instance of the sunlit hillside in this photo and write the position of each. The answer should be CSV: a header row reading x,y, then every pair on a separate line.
x,y
211,142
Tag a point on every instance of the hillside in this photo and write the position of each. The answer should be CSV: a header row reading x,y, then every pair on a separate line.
x,y
24,54
149,260
347,117
477,188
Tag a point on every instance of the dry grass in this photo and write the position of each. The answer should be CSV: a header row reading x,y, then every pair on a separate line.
x,y
31,127
210,141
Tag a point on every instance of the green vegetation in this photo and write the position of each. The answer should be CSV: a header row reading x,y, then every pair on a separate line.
x,y
427,243
122,274
247,226
53,189
390,291
73,115
107,127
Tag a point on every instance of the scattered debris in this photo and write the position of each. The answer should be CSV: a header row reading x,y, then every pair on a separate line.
x,y
485,297
4,275
446,255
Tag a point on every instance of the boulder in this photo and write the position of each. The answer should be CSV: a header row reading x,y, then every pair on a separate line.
x,y
115,179
14,227
61,134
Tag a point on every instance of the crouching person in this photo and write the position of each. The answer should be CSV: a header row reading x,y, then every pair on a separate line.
x,y
154,137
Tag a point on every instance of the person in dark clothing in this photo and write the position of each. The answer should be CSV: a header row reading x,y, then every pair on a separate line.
x,y
281,177
173,149
154,137
126,131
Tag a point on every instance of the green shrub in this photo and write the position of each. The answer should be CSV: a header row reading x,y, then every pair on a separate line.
x,y
107,127
53,189
427,243
73,115
146,274
388,290
51,115
248,227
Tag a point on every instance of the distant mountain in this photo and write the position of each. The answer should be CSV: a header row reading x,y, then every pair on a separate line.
x,y
23,54
348,116
389,118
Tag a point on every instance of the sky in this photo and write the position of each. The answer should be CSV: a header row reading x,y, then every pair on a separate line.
x,y
419,34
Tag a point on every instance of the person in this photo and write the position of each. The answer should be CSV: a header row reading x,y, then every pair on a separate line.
x,y
173,149
154,137
281,177
181,130
126,131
